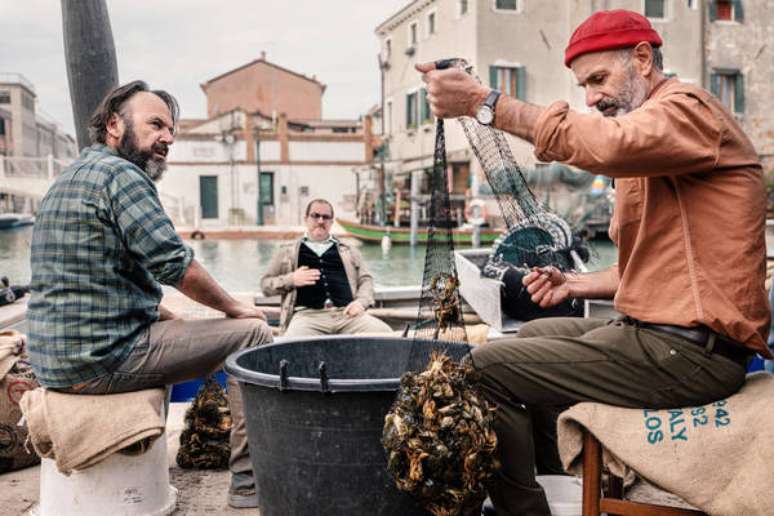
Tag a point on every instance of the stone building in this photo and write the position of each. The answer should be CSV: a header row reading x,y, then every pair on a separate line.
x,y
25,132
517,46
265,157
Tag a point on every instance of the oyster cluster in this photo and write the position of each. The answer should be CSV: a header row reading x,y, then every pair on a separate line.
x,y
204,443
440,440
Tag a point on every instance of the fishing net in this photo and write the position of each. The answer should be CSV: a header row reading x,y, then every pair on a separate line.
x,y
535,237
439,439
440,305
204,442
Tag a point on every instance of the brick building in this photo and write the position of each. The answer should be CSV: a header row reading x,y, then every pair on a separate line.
x,y
267,88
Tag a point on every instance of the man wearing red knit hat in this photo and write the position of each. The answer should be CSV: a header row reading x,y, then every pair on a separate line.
x,y
689,227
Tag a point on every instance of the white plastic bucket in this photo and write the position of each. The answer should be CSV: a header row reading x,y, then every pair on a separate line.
x,y
120,485
565,494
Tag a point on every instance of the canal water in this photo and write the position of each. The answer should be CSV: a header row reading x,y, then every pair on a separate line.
x,y
239,264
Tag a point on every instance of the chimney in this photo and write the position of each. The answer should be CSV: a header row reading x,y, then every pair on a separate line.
x,y
263,55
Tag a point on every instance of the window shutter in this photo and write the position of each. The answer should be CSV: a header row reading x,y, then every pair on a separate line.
x,y
715,84
408,111
738,11
425,107
739,94
493,77
713,11
521,83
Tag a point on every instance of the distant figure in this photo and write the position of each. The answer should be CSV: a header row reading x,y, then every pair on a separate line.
x,y
102,245
325,285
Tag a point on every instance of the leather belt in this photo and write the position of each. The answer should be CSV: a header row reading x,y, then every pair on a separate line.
x,y
702,336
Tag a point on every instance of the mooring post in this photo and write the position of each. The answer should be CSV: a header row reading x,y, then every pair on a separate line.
x,y
90,55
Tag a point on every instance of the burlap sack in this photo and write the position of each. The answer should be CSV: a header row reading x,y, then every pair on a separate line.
x,y
16,378
717,457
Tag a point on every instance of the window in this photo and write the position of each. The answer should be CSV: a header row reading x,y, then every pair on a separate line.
x,y
728,86
412,34
506,5
693,4
411,110
425,115
462,7
511,80
726,10
387,48
430,24
655,9
5,97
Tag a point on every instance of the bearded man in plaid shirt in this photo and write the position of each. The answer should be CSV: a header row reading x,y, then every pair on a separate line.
x,y
101,248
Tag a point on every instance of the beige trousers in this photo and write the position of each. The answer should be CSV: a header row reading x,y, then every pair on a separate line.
x,y
333,322
177,351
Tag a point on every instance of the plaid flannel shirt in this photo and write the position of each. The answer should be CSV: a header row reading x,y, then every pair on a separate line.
x,y
101,245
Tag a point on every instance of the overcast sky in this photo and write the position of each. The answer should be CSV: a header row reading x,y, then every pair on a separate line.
x,y
178,44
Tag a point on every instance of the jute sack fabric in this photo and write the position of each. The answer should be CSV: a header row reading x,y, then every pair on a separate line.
x,y
79,431
16,377
717,457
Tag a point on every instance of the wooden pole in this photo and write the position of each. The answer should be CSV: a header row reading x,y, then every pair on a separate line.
x,y
90,55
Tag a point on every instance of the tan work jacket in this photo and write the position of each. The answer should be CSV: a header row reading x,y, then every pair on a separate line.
x,y
278,278
690,204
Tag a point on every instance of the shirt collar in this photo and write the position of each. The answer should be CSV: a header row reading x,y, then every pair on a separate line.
x,y
330,239
101,148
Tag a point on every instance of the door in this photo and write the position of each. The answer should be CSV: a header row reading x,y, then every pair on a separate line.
x,y
208,196
265,197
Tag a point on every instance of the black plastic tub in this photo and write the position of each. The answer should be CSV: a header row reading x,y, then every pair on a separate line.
x,y
315,409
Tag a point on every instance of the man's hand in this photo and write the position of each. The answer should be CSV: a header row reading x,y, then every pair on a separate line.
x,y
547,286
304,276
245,311
452,92
354,309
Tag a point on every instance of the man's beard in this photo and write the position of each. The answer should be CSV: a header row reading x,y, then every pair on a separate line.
x,y
630,98
130,150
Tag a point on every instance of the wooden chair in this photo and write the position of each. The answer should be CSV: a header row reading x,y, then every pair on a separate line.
x,y
595,502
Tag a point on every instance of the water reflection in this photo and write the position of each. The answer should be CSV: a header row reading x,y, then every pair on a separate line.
x,y
239,264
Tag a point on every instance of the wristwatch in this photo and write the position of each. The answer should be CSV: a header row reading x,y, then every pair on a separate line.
x,y
486,111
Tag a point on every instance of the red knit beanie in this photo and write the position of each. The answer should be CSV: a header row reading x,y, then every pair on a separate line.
x,y
610,30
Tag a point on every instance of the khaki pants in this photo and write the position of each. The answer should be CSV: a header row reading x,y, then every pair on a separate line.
x,y
177,351
557,362
332,322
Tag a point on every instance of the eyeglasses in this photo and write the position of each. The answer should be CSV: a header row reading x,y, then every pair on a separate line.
x,y
323,216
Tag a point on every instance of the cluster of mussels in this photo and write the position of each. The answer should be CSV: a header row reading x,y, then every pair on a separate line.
x,y
440,440
204,442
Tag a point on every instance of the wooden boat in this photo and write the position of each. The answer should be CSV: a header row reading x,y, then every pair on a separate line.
x,y
372,233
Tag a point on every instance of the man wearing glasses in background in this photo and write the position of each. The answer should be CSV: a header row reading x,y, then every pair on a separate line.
x,y
324,283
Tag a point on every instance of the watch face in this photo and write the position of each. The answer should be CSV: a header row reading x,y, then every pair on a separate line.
x,y
485,115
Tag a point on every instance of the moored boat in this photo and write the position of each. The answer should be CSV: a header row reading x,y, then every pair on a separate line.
x,y
14,220
401,235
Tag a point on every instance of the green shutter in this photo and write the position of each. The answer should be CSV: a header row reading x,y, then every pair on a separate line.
x,y
715,84
738,11
425,106
493,77
713,10
739,94
408,111
521,83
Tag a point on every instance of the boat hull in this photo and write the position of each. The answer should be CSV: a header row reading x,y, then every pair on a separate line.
x,y
371,233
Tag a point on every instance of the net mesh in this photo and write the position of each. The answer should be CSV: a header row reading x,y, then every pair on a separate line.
x,y
440,305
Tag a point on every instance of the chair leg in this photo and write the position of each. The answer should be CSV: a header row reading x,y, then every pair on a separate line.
x,y
592,475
